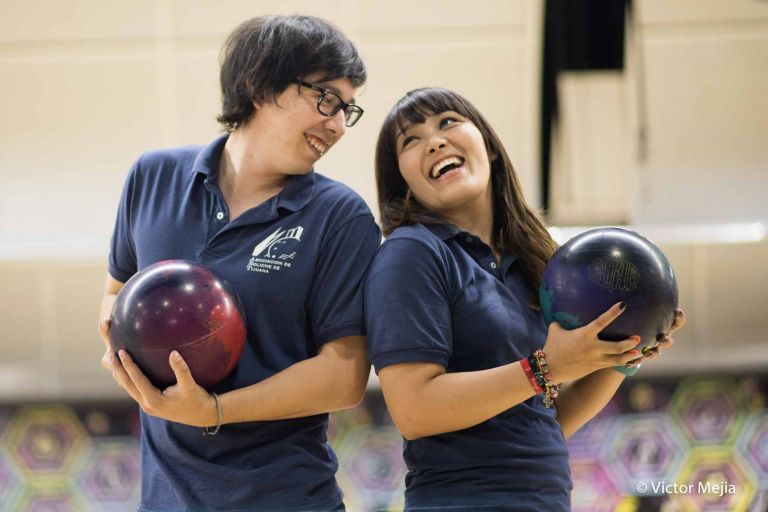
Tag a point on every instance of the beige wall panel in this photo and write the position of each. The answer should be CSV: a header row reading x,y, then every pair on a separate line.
x,y
590,158
54,20
439,14
217,18
737,280
695,11
198,97
50,348
78,289
19,315
73,127
708,116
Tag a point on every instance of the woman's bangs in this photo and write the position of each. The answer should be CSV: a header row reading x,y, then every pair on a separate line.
x,y
416,106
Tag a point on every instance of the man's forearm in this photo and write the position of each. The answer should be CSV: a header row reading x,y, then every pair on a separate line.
x,y
334,379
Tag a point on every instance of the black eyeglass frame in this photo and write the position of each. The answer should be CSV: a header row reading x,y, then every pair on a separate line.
x,y
352,112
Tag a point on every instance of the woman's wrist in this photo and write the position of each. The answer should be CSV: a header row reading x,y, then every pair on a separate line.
x,y
537,370
627,371
526,364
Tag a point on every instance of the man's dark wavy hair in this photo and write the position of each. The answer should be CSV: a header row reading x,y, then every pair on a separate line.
x,y
264,55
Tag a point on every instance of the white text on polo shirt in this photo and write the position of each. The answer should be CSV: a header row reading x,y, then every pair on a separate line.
x,y
276,251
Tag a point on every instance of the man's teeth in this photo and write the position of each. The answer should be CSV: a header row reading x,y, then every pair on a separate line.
x,y
319,146
451,160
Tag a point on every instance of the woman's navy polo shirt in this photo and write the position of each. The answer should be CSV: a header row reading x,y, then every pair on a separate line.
x,y
435,294
297,261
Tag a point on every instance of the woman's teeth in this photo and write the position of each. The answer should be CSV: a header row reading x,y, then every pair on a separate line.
x,y
445,165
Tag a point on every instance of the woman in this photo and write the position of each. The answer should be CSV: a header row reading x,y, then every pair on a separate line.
x,y
466,362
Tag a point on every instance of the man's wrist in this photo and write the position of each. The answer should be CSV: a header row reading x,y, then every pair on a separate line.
x,y
212,431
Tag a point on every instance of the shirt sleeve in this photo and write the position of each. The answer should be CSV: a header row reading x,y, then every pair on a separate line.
x,y
122,252
408,306
335,302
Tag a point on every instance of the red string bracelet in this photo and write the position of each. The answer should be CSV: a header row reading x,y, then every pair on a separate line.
x,y
531,377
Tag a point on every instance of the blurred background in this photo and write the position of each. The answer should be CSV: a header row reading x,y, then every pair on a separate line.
x,y
650,114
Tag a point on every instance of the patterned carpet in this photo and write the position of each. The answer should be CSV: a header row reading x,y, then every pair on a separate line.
x,y
693,444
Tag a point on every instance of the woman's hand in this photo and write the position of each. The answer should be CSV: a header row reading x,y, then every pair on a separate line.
x,y
578,352
663,341
184,402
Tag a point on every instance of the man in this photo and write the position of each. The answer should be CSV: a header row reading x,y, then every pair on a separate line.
x,y
295,246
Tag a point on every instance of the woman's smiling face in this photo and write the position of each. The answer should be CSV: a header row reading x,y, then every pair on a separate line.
x,y
445,163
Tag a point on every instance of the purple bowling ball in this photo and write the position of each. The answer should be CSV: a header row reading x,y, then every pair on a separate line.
x,y
179,305
600,267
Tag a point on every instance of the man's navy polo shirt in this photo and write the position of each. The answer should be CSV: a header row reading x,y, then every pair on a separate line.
x,y
297,261
435,294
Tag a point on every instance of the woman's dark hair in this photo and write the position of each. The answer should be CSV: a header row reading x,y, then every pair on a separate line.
x,y
516,227
264,55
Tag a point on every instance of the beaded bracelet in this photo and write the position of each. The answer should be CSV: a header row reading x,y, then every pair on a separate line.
x,y
206,430
551,390
536,368
526,364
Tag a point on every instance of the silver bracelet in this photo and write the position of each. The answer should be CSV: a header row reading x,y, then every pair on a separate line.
x,y
206,430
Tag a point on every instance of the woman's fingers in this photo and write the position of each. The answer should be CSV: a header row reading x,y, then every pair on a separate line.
x,y
604,320
626,358
620,347
618,353
678,322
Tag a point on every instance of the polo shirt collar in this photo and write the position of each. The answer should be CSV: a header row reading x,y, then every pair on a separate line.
x,y
443,231
295,196
448,231
298,192
207,161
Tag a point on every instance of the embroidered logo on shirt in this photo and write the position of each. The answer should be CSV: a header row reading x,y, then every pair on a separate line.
x,y
275,252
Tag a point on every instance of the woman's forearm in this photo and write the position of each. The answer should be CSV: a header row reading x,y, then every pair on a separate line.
x,y
584,398
424,400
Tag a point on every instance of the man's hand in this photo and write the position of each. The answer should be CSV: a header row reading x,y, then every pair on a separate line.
x,y
184,402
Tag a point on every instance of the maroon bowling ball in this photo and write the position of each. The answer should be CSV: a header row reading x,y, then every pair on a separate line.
x,y
600,267
179,305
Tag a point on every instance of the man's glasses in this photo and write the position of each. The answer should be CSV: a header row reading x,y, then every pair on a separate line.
x,y
329,103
